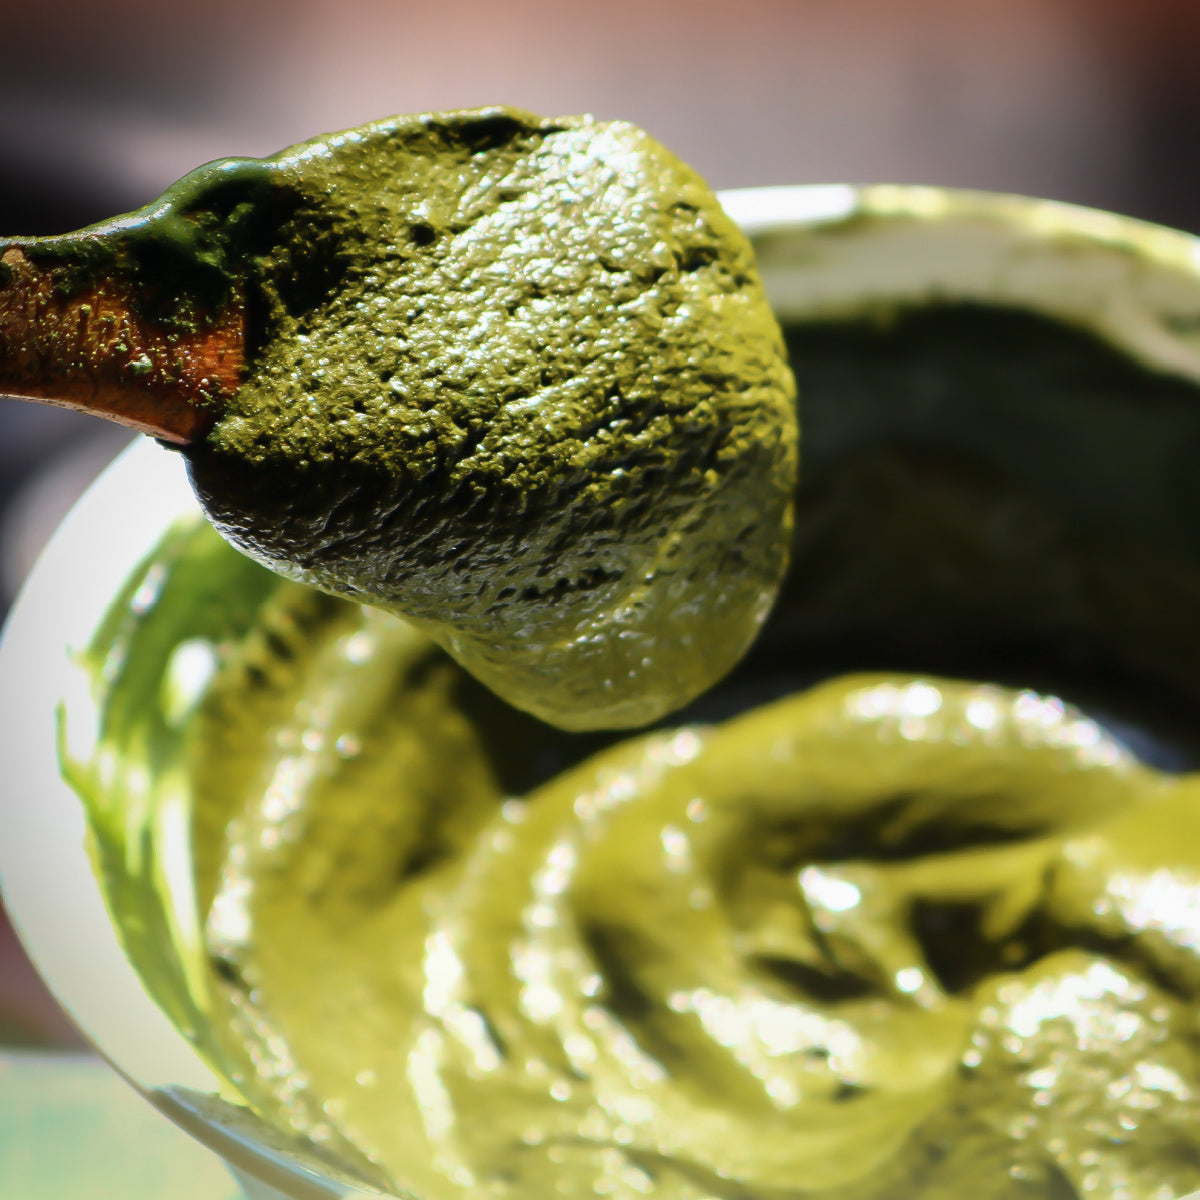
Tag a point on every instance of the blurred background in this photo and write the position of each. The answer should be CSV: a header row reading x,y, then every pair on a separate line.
x,y
103,105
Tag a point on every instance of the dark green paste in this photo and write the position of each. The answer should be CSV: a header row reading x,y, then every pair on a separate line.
x,y
512,378
834,948
886,936
873,939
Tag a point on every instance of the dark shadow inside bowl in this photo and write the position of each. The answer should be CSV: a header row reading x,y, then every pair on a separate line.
x,y
985,493
988,493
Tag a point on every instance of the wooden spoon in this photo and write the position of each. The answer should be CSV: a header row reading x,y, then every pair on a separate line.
x,y
74,337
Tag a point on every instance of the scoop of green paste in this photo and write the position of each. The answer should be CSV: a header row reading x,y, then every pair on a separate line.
x,y
515,379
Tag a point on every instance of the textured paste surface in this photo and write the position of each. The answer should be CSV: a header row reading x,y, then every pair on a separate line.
x,y
874,939
515,379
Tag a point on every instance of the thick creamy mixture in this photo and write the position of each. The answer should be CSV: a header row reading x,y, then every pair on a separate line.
x,y
885,936
888,936
518,382
512,378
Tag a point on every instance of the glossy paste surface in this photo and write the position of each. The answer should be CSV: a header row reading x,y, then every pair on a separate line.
x,y
887,934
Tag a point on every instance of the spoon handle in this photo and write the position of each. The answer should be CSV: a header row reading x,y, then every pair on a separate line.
x,y
69,336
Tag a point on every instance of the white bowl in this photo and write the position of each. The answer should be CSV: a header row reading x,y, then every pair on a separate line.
x,y
824,250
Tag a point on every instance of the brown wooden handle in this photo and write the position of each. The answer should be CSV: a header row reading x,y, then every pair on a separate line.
x,y
79,341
